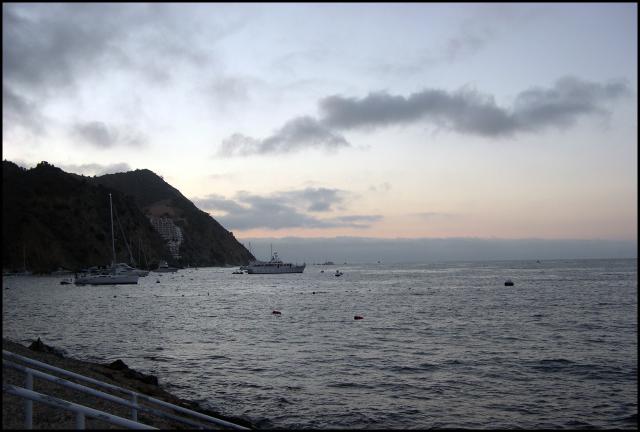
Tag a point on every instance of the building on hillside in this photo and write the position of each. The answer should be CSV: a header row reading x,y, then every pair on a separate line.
x,y
170,232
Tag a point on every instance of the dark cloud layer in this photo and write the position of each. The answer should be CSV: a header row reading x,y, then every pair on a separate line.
x,y
18,110
100,135
463,111
298,133
49,49
282,210
468,111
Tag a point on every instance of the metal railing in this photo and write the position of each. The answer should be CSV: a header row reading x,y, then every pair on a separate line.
x,y
81,411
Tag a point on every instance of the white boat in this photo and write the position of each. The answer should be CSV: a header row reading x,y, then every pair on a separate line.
x,y
163,267
107,279
124,268
116,275
273,266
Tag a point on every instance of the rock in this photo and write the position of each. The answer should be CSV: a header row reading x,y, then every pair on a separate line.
x,y
118,365
147,379
40,346
134,374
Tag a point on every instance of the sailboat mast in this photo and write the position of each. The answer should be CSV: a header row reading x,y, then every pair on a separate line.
x,y
113,243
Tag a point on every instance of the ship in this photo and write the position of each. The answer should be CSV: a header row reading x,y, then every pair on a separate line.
x,y
274,266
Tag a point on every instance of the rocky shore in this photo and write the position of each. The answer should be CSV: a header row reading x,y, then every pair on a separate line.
x,y
116,373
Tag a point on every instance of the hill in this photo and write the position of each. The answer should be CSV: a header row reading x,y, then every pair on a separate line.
x,y
206,242
56,219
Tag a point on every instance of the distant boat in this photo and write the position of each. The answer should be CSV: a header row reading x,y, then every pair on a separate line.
x,y
163,267
508,282
338,273
61,272
238,272
116,275
123,268
273,266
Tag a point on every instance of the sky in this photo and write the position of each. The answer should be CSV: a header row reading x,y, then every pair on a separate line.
x,y
387,121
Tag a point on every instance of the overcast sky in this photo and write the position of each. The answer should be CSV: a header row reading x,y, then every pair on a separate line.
x,y
319,120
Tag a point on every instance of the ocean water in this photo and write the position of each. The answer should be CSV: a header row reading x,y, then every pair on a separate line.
x,y
441,345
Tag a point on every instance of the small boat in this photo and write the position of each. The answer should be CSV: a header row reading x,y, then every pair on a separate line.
x,y
163,267
238,272
508,282
338,273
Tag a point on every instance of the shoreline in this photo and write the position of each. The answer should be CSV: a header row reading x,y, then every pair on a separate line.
x,y
116,373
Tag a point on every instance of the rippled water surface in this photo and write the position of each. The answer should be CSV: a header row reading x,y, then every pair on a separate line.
x,y
440,345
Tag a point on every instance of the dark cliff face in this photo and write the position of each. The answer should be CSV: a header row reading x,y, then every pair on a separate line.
x,y
53,219
206,242
56,219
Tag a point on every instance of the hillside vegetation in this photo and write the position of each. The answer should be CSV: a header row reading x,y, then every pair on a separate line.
x,y
56,219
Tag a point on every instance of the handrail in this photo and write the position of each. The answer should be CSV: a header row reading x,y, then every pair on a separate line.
x,y
135,396
80,410
106,396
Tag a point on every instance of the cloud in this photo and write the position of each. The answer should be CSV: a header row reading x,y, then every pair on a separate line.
x,y
95,169
465,44
50,50
482,26
561,105
432,215
382,187
469,111
98,134
90,169
19,110
55,45
281,210
298,133
315,199
465,110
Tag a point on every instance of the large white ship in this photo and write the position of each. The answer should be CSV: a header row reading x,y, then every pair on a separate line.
x,y
273,266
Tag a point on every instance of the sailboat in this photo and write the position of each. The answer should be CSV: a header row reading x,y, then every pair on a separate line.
x,y
116,276
24,272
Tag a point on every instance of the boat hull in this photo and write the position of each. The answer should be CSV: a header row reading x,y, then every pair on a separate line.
x,y
107,280
275,270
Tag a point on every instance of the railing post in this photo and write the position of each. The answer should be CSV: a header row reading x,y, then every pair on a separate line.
x,y
79,420
28,404
134,411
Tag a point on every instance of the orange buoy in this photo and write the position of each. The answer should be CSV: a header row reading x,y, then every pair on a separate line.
x,y
358,317
275,312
